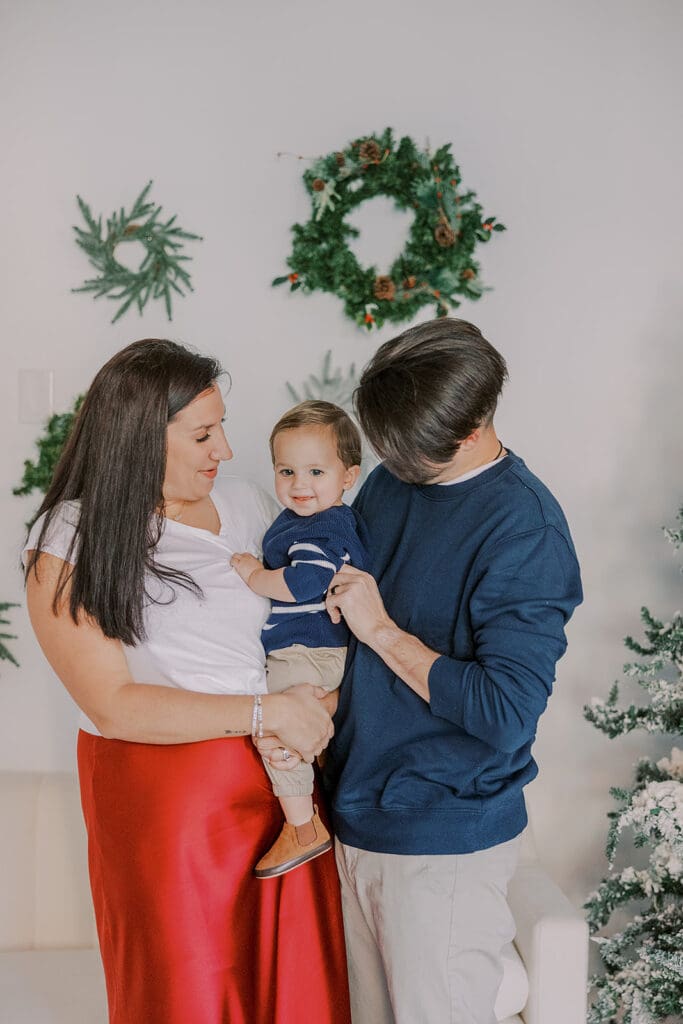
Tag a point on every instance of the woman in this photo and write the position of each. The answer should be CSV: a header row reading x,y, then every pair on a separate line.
x,y
133,600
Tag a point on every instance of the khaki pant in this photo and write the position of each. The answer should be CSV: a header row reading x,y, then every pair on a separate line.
x,y
321,666
424,934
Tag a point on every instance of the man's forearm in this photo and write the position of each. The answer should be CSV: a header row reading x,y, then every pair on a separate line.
x,y
405,655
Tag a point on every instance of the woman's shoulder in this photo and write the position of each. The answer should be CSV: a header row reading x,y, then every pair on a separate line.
x,y
58,538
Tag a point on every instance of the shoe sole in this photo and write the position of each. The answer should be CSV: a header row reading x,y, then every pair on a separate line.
x,y
289,865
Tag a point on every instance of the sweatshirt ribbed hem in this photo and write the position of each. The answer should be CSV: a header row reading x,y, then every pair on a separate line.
x,y
414,831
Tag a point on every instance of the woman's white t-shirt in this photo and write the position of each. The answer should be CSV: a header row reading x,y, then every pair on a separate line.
x,y
209,643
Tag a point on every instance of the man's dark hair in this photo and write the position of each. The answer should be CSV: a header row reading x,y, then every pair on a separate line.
x,y
425,391
113,465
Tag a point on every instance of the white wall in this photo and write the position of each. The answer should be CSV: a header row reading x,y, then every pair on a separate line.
x,y
563,116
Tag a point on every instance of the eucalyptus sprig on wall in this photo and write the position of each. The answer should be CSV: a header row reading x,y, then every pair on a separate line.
x,y
437,266
329,385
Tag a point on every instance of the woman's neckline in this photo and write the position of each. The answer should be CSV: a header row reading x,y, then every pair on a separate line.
x,y
200,529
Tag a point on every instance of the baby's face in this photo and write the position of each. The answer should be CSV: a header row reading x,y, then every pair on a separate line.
x,y
309,475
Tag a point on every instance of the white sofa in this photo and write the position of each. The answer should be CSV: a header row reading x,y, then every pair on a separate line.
x,y
50,970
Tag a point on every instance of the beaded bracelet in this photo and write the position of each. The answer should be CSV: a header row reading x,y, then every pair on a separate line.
x,y
257,718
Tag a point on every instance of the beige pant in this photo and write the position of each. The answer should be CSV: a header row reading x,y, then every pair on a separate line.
x,y
322,666
424,934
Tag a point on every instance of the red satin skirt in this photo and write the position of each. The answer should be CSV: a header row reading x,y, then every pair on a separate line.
x,y
187,934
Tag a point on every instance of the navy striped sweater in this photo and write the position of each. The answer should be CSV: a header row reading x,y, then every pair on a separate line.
x,y
311,549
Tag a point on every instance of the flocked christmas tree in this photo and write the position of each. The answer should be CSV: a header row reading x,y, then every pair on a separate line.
x,y
642,982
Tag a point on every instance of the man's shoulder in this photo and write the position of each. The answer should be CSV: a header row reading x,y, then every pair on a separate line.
x,y
530,497
380,485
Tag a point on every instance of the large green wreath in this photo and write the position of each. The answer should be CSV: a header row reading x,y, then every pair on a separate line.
x,y
437,264
160,272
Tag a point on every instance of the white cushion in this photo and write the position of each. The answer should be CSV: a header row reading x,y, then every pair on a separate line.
x,y
62,986
44,891
514,989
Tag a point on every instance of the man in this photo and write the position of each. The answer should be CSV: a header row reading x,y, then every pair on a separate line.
x,y
453,663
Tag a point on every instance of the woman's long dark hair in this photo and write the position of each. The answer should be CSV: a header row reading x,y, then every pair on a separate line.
x,y
114,464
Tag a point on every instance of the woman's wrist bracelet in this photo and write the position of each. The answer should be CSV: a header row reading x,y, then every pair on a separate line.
x,y
257,718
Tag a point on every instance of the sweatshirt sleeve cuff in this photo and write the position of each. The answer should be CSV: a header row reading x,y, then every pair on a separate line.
x,y
445,689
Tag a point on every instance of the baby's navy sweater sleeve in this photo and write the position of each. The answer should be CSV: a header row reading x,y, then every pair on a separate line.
x,y
313,563
528,589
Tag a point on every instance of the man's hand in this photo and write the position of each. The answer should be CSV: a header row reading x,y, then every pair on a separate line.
x,y
245,564
354,595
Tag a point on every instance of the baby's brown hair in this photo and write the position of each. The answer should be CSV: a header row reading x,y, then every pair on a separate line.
x,y
323,414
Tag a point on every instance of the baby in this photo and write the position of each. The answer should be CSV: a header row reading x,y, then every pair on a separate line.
x,y
316,452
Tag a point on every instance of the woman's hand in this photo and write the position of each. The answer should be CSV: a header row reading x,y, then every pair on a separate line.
x,y
270,748
245,564
299,719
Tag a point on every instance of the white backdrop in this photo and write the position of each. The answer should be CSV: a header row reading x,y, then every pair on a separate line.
x,y
563,116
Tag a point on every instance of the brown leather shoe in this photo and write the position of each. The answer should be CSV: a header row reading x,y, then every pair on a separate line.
x,y
288,853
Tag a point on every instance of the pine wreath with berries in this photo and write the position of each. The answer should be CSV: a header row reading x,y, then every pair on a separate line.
x,y
437,266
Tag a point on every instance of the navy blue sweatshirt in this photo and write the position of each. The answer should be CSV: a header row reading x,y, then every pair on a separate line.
x,y
484,572
312,549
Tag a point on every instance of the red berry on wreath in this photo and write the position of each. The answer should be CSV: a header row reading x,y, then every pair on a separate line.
x,y
293,278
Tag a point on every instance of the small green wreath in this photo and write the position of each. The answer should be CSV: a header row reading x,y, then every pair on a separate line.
x,y
161,270
437,263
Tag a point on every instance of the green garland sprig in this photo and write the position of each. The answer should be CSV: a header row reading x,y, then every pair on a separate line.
x,y
160,272
437,265
38,475
5,653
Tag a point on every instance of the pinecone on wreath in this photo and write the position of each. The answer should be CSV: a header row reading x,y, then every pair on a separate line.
x,y
369,152
444,235
318,185
384,288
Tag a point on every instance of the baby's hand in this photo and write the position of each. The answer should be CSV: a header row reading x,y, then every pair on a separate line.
x,y
245,564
